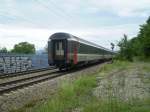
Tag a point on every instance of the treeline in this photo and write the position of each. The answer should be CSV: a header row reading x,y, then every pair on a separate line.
x,y
20,48
137,47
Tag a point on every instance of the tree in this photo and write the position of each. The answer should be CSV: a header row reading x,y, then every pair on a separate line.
x,y
125,52
144,38
3,50
138,46
24,47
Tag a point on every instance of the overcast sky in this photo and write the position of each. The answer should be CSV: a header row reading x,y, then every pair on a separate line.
x,y
99,21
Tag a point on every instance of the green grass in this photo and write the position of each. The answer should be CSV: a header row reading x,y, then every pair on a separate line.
x,y
115,105
117,65
146,68
70,96
79,95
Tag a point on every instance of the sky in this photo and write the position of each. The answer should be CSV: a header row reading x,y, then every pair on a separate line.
x,y
98,21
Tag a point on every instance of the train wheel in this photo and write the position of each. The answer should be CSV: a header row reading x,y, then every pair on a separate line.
x,y
60,69
67,68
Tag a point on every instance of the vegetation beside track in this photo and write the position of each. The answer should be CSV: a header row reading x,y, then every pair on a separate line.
x,y
138,47
81,94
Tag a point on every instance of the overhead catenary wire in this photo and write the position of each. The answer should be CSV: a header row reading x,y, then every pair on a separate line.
x,y
57,11
15,17
54,10
70,17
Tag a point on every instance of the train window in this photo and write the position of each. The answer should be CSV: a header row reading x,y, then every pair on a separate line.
x,y
59,48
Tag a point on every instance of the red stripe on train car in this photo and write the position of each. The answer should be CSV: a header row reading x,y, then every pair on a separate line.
x,y
75,60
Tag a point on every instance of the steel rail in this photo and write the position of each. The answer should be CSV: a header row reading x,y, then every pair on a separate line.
x,y
2,76
30,76
13,85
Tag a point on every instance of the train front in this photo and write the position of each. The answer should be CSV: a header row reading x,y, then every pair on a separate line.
x,y
57,50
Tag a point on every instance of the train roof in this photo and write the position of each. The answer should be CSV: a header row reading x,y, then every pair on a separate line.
x,y
71,37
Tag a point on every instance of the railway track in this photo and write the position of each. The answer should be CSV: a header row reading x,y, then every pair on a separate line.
x,y
15,84
9,75
21,81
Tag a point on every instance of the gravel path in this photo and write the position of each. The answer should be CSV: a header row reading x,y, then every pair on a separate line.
x,y
128,84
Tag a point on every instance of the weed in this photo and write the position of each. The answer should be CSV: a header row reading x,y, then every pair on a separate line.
x,y
78,94
70,96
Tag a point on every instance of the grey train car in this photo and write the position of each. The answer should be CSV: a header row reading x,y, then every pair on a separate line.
x,y
66,50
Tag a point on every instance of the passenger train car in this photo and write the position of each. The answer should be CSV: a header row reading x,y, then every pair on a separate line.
x,y
66,50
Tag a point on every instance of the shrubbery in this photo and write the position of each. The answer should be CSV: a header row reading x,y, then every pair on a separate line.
x,y
138,46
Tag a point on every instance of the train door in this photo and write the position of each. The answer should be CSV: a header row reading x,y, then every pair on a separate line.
x,y
59,50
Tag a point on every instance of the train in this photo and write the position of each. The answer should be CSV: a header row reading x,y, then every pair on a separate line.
x,y
66,51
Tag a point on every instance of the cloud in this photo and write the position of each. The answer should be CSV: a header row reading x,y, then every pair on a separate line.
x,y
99,21
73,13
12,35
102,36
121,7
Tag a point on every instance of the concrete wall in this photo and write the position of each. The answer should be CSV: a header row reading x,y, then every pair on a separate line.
x,y
10,63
